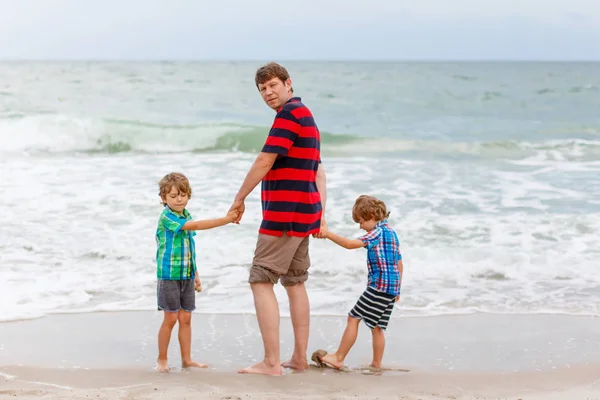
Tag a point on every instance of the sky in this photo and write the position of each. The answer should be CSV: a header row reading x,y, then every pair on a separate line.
x,y
300,29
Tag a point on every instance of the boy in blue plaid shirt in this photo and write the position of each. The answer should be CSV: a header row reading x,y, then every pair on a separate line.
x,y
384,262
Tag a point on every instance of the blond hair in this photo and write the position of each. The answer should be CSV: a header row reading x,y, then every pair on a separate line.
x,y
369,207
174,179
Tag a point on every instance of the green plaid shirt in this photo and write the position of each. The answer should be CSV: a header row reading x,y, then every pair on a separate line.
x,y
176,252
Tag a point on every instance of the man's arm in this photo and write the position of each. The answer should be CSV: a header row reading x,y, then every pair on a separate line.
x,y
345,242
321,180
322,186
280,140
262,165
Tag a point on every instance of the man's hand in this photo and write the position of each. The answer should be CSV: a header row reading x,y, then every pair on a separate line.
x,y
232,215
323,232
239,207
397,298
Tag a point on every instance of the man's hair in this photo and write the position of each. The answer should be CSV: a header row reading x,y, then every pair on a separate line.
x,y
174,179
367,207
270,71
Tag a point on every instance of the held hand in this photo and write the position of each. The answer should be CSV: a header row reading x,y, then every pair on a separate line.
x,y
239,207
397,298
232,215
323,232
197,283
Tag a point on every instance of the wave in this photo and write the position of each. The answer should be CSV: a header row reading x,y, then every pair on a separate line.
x,y
61,134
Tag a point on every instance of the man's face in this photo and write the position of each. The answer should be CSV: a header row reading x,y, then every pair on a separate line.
x,y
275,93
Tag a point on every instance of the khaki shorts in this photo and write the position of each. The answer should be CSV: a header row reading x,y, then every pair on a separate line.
x,y
280,256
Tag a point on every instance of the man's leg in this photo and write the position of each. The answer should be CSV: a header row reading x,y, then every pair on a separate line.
x,y
267,313
300,313
272,258
293,281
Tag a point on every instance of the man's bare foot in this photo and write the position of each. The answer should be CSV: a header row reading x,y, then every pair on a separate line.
x,y
162,366
298,366
192,364
262,369
332,361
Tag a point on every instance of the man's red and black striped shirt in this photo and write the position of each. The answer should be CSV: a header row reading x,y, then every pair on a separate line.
x,y
291,202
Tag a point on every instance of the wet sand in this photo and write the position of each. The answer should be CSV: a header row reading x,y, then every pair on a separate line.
x,y
111,356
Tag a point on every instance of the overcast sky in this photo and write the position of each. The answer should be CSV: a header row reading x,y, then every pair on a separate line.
x,y
300,29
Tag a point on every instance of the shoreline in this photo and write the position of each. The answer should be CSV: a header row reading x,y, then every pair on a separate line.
x,y
464,343
111,355
396,315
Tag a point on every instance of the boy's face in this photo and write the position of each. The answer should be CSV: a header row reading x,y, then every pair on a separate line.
x,y
176,200
367,225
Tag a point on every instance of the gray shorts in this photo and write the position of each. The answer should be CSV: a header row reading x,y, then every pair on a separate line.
x,y
177,295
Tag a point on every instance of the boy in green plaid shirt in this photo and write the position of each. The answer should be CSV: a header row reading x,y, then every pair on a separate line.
x,y
176,266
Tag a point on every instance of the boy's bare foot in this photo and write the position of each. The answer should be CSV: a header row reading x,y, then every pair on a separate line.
x,y
192,364
298,366
162,366
262,369
332,361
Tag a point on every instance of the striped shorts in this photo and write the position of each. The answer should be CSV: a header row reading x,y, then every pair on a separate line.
x,y
374,307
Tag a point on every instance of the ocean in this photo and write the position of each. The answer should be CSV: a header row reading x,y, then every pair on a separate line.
x,y
491,172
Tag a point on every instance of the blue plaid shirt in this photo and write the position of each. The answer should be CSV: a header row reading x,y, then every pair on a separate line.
x,y
383,254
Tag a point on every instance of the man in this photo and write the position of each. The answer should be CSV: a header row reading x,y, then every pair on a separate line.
x,y
293,203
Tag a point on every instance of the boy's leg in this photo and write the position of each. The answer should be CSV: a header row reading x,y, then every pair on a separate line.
x,y
293,282
164,336
336,359
378,346
167,293
378,333
188,304
185,340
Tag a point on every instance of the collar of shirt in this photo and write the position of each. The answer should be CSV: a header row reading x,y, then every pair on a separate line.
x,y
381,223
291,100
185,213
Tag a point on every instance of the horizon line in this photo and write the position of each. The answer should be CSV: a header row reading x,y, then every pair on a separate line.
x,y
307,60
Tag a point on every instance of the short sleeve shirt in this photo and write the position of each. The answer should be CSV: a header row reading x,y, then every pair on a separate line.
x,y
291,202
383,254
175,253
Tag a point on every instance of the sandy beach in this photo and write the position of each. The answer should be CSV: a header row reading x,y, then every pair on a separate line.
x,y
35,383
480,356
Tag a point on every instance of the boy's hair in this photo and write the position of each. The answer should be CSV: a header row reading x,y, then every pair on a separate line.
x,y
270,71
367,207
174,179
